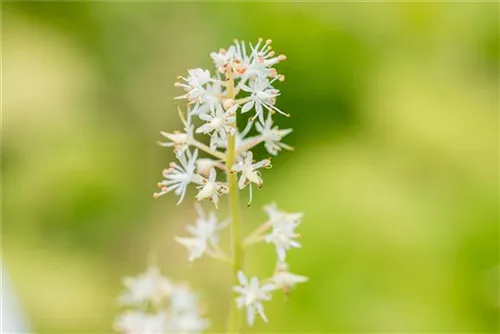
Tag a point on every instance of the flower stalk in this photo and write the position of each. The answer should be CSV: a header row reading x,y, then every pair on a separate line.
x,y
234,210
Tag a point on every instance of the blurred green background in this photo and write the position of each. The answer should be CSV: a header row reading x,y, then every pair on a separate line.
x,y
395,115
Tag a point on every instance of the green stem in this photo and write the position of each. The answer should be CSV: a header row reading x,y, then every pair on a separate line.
x,y
234,320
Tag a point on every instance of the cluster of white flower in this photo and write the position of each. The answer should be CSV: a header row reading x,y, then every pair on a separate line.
x,y
156,305
205,236
243,81
217,103
282,235
278,230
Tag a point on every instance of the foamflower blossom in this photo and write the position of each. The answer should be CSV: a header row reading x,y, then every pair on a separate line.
x,y
161,310
136,322
211,189
222,58
178,177
205,234
283,234
185,317
188,322
150,286
272,136
193,84
263,95
258,63
249,173
179,140
219,124
283,237
212,95
276,215
285,280
252,294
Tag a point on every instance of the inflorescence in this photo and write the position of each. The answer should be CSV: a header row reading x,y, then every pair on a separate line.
x,y
242,84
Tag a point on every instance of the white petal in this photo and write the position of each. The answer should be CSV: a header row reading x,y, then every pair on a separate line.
x,y
237,167
205,117
260,112
249,158
254,283
247,106
246,88
260,309
242,278
242,181
250,316
268,287
213,175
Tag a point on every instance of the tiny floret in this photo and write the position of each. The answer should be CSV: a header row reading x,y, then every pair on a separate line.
x,y
178,177
204,234
285,280
219,124
283,234
252,294
272,136
263,95
156,305
180,141
211,189
249,173
149,287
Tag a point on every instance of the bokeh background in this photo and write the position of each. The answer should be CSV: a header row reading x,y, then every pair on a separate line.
x,y
395,115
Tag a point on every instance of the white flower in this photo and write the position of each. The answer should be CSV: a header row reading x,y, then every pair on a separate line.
x,y
285,280
251,296
222,58
258,63
204,233
276,215
283,237
262,59
272,136
135,322
211,189
196,247
219,124
189,323
193,84
177,178
240,140
212,95
185,317
283,233
198,76
183,299
150,286
249,173
263,95
179,140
